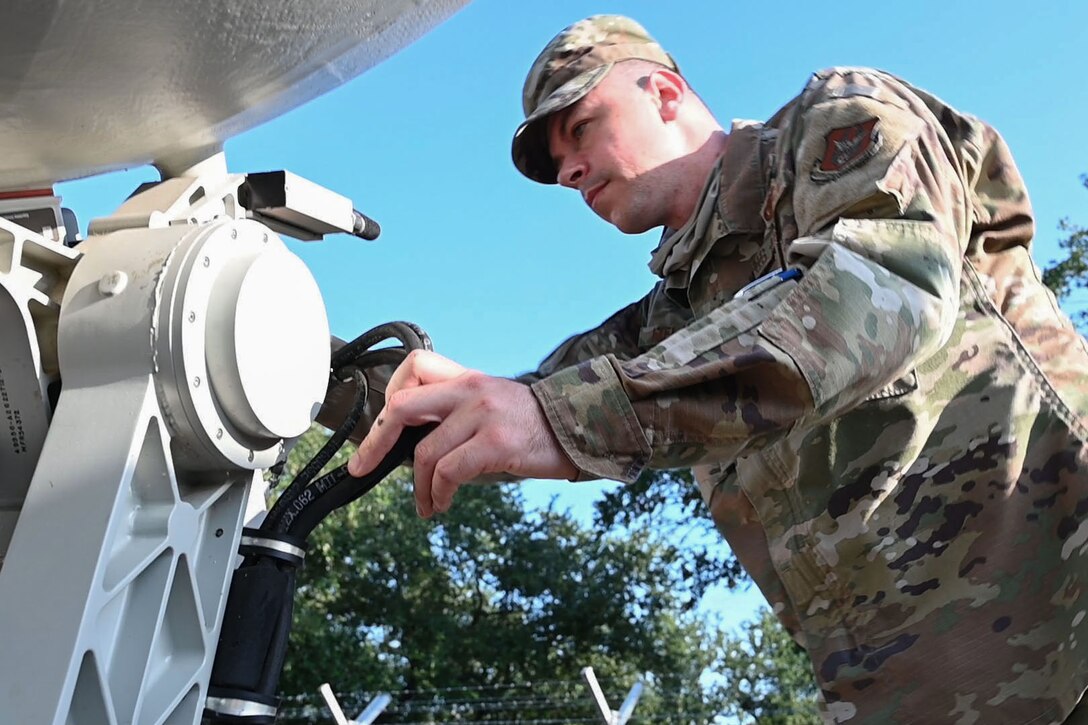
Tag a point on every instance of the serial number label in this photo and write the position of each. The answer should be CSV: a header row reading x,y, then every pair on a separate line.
x,y
14,419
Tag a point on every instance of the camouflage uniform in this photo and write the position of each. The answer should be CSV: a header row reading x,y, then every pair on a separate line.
x,y
894,446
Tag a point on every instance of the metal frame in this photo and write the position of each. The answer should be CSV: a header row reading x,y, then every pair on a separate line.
x,y
113,587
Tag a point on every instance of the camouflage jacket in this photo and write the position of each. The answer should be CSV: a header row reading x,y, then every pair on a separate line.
x,y
894,446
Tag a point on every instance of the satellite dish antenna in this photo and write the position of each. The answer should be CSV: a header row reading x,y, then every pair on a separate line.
x,y
99,85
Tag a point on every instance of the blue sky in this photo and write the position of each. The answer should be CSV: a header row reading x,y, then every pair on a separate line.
x,y
499,269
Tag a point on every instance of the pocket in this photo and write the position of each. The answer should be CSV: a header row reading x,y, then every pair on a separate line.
x,y
738,520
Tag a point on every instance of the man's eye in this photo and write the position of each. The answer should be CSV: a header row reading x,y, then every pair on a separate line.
x,y
579,129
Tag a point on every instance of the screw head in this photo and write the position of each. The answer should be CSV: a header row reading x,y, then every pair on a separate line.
x,y
192,317
196,382
113,283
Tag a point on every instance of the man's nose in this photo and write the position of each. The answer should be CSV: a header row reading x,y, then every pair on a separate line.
x,y
572,172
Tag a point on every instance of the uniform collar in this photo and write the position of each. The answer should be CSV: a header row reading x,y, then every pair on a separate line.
x,y
731,202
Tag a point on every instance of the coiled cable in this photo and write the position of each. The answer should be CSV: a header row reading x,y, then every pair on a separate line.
x,y
257,620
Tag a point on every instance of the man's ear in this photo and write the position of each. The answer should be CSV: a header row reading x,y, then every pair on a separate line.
x,y
669,90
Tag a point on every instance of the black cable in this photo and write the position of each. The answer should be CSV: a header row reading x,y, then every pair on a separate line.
x,y
306,502
338,488
411,336
377,358
421,334
257,618
356,356
323,456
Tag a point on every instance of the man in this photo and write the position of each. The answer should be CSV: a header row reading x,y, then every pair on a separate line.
x,y
850,345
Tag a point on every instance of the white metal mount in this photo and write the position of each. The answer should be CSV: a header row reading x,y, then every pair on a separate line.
x,y
188,342
608,715
369,714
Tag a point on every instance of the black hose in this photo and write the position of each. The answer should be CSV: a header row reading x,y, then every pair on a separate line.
x,y
323,456
257,619
338,488
356,356
377,358
408,334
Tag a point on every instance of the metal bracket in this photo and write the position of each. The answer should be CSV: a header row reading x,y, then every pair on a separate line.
x,y
608,715
295,206
282,201
369,714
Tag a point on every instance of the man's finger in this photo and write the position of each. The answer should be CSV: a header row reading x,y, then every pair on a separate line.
x,y
454,431
422,367
463,463
412,406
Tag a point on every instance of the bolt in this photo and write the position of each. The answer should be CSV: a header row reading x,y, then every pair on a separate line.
x,y
233,233
264,237
251,456
219,434
192,317
218,533
196,382
207,262
113,283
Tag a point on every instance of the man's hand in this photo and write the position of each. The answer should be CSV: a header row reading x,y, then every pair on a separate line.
x,y
486,425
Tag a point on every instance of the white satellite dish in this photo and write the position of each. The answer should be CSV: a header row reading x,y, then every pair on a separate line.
x,y
98,85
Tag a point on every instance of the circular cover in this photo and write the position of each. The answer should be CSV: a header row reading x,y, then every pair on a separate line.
x,y
98,85
281,343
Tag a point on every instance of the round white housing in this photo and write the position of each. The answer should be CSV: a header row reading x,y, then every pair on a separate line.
x,y
267,343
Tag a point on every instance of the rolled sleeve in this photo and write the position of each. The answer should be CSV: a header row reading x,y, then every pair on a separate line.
x,y
880,232
594,421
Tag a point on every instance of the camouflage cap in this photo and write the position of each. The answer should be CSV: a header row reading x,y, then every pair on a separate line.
x,y
568,68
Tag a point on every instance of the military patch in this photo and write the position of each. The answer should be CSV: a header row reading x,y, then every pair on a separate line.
x,y
846,148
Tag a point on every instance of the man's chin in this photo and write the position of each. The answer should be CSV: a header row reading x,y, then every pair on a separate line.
x,y
603,215
624,222
627,225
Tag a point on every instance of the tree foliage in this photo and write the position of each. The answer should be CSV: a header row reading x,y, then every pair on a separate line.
x,y
768,676
669,502
1069,276
489,612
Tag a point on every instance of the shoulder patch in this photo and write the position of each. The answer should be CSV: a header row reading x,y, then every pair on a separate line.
x,y
847,148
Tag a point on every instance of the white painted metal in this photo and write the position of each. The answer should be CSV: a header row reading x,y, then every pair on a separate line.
x,y
628,707
114,584
113,588
333,704
40,214
264,375
598,695
97,85
165,329
373,709
33,274
608,715
369,714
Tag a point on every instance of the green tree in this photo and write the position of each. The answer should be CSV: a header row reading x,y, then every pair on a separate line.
x,y
502,605
768,676
669,502
1069,276
763,675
